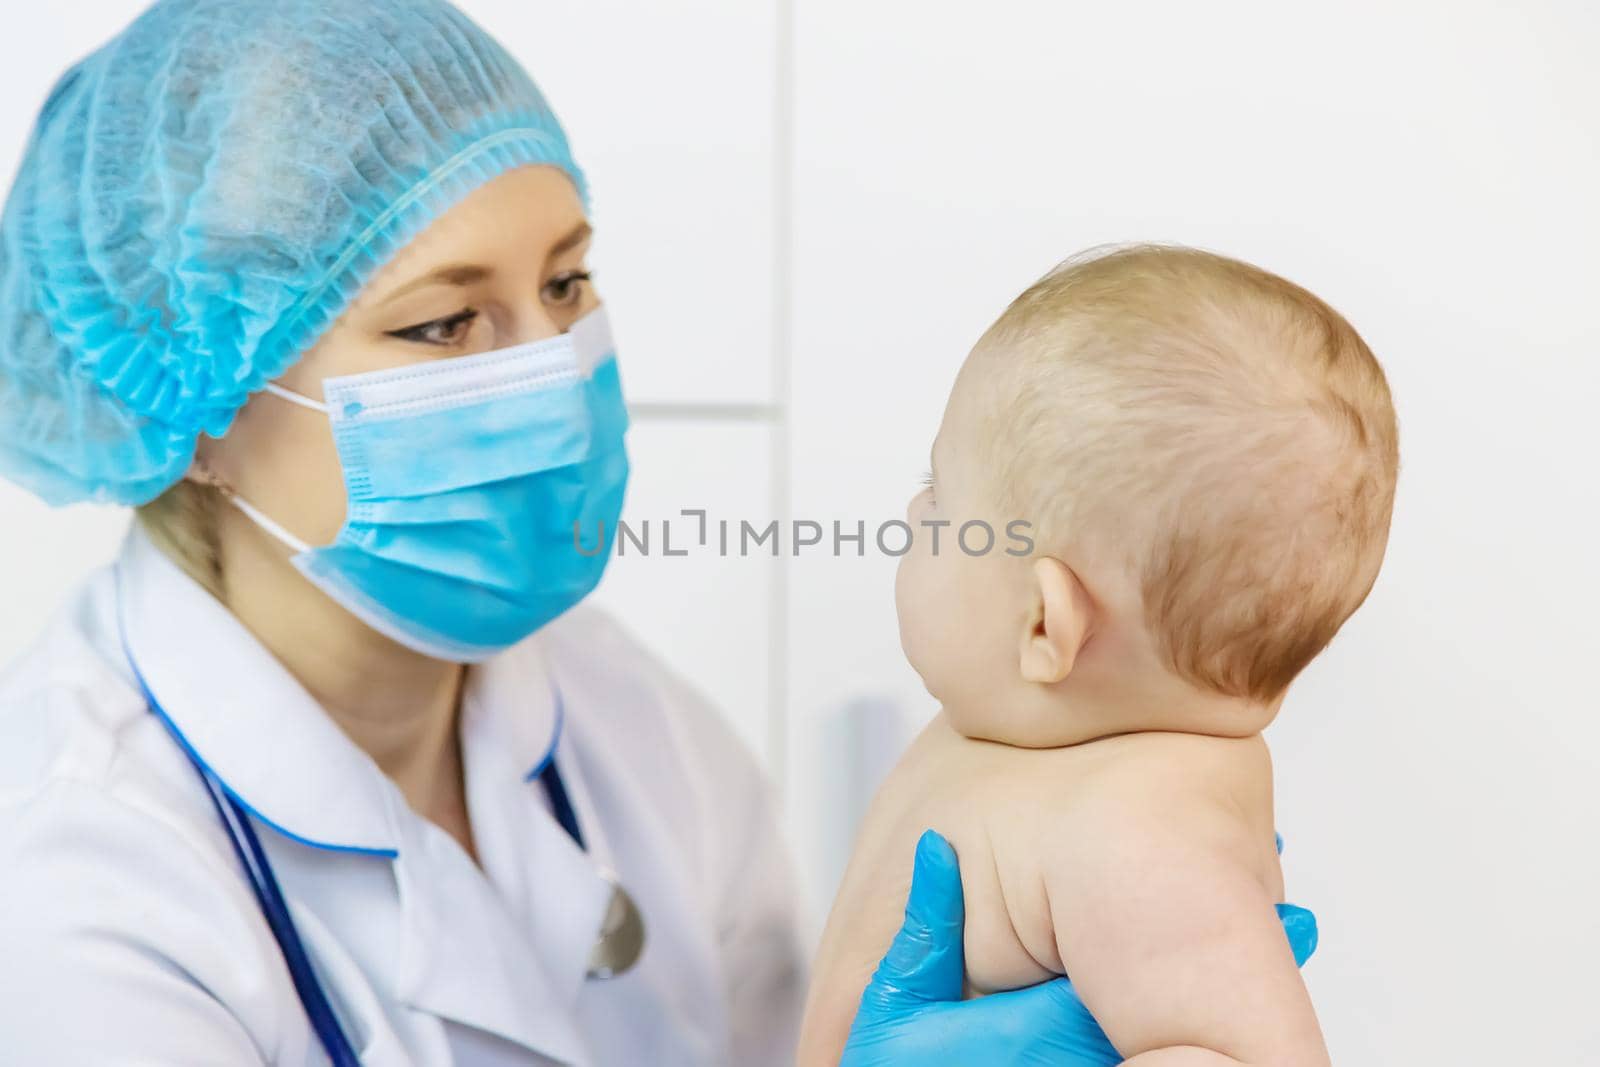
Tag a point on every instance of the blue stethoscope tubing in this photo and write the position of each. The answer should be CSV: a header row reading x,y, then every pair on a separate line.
x,y
264,883
235,820
258,872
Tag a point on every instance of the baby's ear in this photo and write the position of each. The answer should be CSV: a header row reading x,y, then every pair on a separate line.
x,y
1058,623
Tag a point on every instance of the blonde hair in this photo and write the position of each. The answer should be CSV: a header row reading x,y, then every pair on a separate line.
x,y
183,522
1222,432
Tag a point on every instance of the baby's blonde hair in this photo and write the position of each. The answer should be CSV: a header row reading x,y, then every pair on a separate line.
x,y
1221,432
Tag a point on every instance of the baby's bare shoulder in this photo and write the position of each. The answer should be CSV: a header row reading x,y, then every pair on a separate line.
x,y
1179,783
1167,772
1065,828
1159,891
1163,763
1165,786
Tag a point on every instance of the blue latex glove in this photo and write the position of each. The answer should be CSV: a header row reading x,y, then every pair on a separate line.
x,y
912,1014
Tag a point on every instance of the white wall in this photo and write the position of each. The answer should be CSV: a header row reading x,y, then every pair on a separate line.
x,y
809,211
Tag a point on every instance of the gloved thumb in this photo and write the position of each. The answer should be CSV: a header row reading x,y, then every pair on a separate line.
x,y
1301,927
925,962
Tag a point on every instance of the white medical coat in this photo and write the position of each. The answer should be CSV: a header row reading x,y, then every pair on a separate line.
x,y
129,935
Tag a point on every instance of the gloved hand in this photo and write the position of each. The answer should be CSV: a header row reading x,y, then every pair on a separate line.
x,y
912,1014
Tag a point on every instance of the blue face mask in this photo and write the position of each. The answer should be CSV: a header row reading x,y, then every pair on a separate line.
x,y
483,490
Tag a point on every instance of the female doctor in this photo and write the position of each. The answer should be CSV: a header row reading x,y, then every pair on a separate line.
x,y
330,765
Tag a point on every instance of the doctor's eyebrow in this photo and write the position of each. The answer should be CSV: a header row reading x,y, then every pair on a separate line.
x,y
580,233
460,274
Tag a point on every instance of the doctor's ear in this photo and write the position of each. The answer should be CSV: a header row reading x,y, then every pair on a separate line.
x,y
202,471
1059,622
202,475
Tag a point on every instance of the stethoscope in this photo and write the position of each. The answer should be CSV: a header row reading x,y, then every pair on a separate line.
x,y
617,948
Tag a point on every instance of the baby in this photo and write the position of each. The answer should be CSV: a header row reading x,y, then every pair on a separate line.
x,y
1206,457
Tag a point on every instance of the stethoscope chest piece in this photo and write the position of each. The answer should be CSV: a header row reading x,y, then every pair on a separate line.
x,y
621,939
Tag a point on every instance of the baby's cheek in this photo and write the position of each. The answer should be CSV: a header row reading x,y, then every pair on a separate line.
x,y
905,600
916,607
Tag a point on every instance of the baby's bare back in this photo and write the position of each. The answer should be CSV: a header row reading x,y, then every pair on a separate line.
x,y
1007,811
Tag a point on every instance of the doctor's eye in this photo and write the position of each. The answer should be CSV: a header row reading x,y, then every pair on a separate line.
x,y
566,289
449,331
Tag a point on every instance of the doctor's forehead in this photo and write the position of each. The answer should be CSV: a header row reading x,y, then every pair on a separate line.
x,y
521,218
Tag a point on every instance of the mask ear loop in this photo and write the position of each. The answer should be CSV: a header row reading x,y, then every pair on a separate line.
x,y
267,524
206,476
251,512
295,398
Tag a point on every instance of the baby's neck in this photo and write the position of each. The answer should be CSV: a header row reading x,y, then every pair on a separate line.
x,y
1058,719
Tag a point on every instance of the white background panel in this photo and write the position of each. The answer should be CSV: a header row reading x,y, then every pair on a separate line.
x,y
47,552
708,615
669,110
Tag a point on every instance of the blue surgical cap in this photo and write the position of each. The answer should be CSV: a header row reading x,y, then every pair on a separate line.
x,y
202,197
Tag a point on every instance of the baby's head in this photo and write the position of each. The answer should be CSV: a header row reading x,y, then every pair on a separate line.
x,y
1205,455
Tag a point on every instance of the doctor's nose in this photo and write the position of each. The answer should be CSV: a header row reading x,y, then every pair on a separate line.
x,y
534,321
533,318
